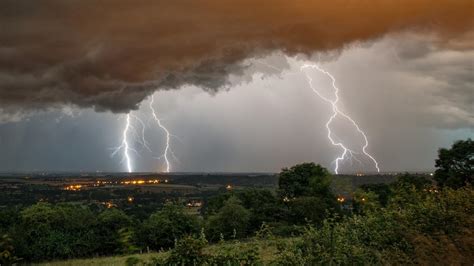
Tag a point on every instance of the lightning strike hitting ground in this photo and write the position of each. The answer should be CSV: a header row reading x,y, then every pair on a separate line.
x,y
346,152
125,145
167,133
337,112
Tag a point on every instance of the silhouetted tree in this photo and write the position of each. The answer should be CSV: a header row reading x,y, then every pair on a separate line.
x,y
455,166
307,179
306,189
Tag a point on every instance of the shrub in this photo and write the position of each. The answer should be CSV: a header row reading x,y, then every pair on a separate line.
x,y
162,228
231,221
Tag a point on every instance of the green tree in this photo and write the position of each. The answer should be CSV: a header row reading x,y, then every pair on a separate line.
x,y
407,180
383,192
365,201
306,189
305,179
110,224
308,209
59,231
8,217
162,228
455,166
263,205
231,221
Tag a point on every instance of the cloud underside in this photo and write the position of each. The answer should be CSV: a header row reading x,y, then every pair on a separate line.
x,y
110,55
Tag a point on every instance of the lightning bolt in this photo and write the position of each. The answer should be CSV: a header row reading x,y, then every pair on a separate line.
x,y
168,136
141,139
130,132
125,145
336,112
346,152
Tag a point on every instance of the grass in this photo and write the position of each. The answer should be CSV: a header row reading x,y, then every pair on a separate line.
x,y
116,260
267,249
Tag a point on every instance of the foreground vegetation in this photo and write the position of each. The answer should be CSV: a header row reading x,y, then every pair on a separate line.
x,y
412,221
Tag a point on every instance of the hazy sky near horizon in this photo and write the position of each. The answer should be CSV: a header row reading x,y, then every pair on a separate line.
x,y
232,105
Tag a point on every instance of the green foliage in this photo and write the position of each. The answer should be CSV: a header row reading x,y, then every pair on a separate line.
x,y
235,255
383,192
162,228
111,229
7,251
307,179
455,166
231,221
8,218
263,205
407,222
264,232
365,201
125,241
308,209
56,232
188,251
403,233
132,261
407,180
306,191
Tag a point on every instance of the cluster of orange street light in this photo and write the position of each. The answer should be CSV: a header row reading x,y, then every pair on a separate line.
x,y
142,182
76,187
73,187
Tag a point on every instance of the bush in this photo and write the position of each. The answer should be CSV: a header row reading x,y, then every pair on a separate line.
x,y
231,221
7,251
111,226
56,232
235,255
188,251
429,227
162,228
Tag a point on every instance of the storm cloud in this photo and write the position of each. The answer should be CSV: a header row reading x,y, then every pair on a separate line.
x,y
110,55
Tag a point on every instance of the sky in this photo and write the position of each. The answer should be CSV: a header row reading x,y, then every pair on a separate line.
x,y
228,85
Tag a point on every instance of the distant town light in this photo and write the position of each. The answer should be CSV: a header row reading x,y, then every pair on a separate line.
x,y
73,187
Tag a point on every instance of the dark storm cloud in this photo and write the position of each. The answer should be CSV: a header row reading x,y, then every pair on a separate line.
x,y
110,55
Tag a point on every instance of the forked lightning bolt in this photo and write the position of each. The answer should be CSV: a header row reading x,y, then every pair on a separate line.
x,y
167,133
337,112
125,145
129,133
